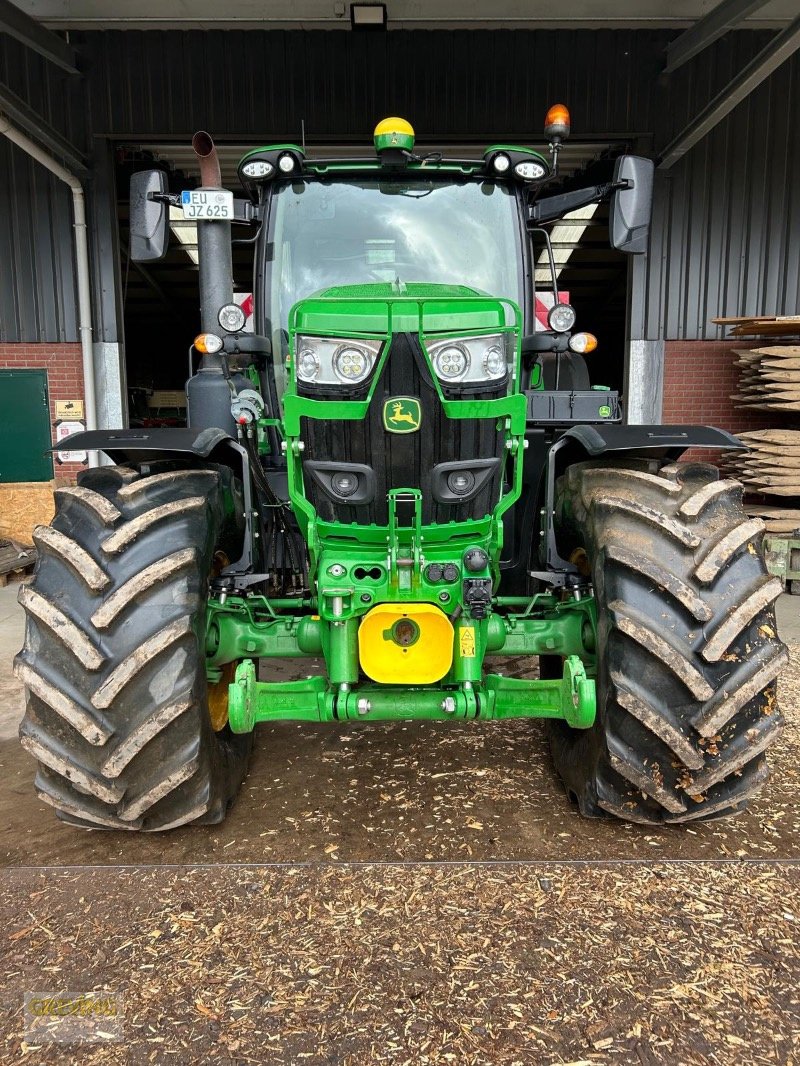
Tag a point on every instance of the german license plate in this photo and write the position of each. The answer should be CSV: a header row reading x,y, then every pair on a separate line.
x,y
207,203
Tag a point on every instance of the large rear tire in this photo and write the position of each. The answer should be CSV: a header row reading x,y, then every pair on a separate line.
x,y
114,658
687,648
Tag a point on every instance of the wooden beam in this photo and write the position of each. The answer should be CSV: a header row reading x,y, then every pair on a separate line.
x,y
34,36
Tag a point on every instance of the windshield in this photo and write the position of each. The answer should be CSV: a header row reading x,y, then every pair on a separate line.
x,y
358,231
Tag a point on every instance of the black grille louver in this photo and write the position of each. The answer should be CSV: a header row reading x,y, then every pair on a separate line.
x,y
404,460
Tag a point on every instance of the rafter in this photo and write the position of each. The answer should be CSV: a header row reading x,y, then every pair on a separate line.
x,y
779,49
727,15
30,33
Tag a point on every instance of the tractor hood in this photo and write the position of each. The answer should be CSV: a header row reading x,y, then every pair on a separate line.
x,y
396,307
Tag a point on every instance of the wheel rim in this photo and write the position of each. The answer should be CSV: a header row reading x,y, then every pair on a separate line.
x,y
218,697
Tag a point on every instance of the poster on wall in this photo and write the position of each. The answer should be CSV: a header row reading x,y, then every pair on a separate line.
x,y
69,410
63,431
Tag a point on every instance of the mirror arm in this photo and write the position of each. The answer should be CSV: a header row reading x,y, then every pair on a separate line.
x,y
171,198
553,207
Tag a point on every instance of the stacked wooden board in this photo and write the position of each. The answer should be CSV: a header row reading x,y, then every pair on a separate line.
x,y
762,326
769,380
771,468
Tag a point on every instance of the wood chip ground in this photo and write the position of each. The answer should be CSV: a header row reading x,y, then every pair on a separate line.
x,y
609,958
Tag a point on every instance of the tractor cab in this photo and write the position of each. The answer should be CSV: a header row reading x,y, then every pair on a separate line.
x,y
404,219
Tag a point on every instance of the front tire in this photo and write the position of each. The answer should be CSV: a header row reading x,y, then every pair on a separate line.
x,y
687,647
114,658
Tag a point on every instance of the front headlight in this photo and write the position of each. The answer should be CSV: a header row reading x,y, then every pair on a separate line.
x,y
334,361
561,318
471,360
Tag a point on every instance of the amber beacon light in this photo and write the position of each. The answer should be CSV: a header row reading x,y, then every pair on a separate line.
x,y
557,123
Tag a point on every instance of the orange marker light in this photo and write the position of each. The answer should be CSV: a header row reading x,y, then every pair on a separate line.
x,y
583,343
557,121
208,343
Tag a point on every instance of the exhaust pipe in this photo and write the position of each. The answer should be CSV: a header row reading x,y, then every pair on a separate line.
x,y
213,245
207,392
206,152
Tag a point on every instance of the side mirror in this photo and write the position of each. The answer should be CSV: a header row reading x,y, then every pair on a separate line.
x,y
149,219
631,208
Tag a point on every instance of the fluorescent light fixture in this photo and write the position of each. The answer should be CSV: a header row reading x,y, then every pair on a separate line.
x,y
567,233
185,232
368,16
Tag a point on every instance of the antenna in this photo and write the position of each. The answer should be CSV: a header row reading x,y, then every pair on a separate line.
x,y
303,134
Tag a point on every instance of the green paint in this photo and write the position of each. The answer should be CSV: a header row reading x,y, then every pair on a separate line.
x,y
571,698
247,629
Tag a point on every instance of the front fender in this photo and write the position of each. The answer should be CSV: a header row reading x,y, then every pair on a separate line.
x,y
591,441
137,445
657,441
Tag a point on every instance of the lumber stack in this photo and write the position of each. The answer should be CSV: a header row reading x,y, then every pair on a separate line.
x,y
771,468
762,326
769,372
769,378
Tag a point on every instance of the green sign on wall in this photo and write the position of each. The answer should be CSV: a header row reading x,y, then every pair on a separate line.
x,y
25,436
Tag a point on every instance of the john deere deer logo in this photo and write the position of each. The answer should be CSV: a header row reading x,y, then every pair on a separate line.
x,y
402,414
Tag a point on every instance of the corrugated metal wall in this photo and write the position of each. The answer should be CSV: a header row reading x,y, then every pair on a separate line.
x,y
726,216
37,284
726,226
460,83
37,281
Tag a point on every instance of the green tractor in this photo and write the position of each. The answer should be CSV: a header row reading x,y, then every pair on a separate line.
x,y
398,474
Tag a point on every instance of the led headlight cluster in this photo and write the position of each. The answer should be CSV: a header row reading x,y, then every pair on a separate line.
x,y
530,170
334,361
470,360
257,168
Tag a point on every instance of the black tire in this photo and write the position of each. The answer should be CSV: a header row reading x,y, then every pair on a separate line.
x,y
114,657
688,653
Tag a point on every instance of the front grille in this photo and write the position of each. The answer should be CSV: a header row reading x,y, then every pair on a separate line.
x,y
404,460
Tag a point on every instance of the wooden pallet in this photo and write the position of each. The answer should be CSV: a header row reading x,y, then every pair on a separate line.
x,y
15,561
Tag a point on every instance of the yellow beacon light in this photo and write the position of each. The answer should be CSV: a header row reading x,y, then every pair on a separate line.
x,y
394,133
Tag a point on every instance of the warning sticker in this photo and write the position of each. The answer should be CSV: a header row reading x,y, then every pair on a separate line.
x,y
467,642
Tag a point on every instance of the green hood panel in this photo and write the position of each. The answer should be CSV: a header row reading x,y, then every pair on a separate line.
x,y
391,307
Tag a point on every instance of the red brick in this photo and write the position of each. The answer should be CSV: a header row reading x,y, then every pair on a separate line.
x,y
64,367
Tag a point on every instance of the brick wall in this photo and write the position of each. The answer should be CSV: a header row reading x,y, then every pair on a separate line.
x,y
64,381
700,377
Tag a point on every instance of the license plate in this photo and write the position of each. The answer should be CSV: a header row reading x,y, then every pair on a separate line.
x,y
207,203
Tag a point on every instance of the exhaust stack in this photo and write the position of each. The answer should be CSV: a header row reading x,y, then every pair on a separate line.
x,y
213,245
207,392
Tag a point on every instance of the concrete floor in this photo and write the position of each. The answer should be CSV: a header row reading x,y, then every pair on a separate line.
x,y
409,791
12,634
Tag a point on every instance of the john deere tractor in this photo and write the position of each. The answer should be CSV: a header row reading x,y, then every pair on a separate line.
x,y
397,474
